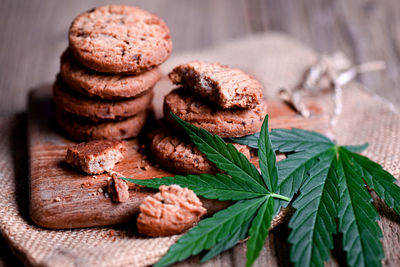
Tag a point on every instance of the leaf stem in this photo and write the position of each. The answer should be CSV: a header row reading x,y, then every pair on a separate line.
x,y
279,196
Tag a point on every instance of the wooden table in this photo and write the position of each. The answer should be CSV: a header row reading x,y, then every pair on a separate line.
x,y
34,33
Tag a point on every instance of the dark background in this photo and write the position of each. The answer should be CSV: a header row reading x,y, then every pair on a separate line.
x,y
34,33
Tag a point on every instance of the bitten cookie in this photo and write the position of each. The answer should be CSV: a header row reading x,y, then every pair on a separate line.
x,y
119,39
96,156
180,155
223,85
171,211
223,122
103,85
98,110
79,129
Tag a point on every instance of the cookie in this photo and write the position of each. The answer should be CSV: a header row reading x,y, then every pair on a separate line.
x,y
179,155
96,156
79,129
223,85
171,211
223,122
103,85
98,110
119,39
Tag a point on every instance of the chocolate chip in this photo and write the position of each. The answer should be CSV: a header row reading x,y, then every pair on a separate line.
x,y
82,34
137,58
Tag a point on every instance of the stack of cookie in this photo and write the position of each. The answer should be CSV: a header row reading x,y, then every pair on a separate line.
x,y
105,86
224,101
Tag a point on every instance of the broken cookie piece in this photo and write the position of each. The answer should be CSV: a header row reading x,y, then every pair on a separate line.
x,y
171,211
225,86
118,189
97,156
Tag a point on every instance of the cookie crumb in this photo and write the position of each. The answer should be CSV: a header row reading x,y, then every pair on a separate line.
x,y
114,173
118,189
171,211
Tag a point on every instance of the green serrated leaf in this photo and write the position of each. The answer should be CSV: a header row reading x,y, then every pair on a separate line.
x,y
294,170
297,140
357,217
224,156
284,140
267,158
210,231
313,223
228,242
258,231
219,186
381,181
356,149
248,140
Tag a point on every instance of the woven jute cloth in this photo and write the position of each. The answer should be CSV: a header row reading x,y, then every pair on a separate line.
x,y
277,61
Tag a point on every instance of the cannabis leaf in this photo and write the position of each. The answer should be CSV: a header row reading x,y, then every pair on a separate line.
x,y
252,215
313,223
297,140
285,140
267,159
295,168
248,140
259,230
356,149
229,241
357,217
219,186
331,182
377,179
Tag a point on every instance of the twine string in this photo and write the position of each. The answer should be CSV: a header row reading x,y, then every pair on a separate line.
x,y
330,73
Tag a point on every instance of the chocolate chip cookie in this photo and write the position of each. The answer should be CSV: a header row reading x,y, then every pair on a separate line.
x,y
225,86
179,155
206,115
103,85
96,109
79,129
119,39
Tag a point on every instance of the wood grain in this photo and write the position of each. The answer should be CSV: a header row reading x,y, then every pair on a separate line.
x,y
33,34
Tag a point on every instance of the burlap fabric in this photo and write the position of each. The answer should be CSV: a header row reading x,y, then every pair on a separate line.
x,y
278,61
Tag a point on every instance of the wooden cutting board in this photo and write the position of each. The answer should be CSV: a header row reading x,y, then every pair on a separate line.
x,y
61,198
